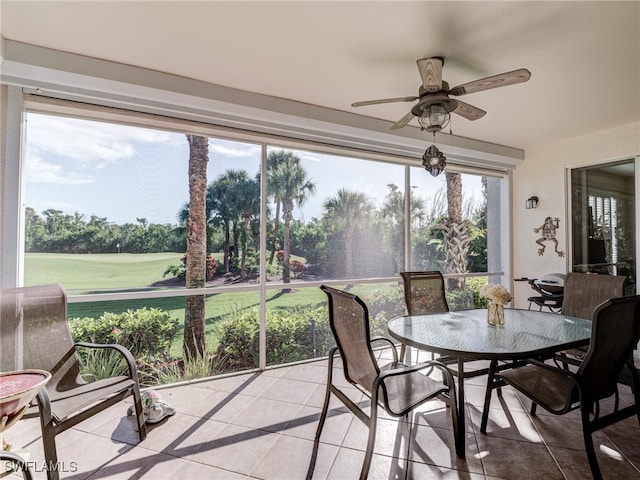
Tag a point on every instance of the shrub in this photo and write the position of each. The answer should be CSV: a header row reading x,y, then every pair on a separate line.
x,y
181,370
145,332
289,337
180,271
98,364
296,267
383,305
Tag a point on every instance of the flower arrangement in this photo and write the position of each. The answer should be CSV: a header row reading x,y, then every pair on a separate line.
x,y
496,293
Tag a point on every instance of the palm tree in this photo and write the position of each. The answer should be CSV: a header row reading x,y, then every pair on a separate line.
x,y
194,313
246,200
274,159
222,207
345,211
456,231
393,212
291,186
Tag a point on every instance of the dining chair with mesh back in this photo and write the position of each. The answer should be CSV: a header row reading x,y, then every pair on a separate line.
x,y
35,334
615,333
583,292
424,293
395,387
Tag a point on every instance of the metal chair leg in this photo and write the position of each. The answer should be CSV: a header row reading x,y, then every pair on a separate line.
x,y
588,443
368,455
327,396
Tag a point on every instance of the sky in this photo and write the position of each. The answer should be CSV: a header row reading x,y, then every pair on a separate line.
x,y
124,173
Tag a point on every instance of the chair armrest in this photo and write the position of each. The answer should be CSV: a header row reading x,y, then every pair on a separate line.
x,y
392,345
417,367
552,368
124,351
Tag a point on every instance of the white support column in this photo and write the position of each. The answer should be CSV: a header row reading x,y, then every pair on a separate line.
x,y
263,258
12,182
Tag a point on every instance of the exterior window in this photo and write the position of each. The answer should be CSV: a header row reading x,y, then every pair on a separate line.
x,y
106,209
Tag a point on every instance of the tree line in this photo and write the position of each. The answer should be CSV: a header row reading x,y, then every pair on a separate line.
x,y
352,237
56,232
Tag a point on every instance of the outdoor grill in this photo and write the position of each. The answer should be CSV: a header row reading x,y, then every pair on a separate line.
x,y
550,288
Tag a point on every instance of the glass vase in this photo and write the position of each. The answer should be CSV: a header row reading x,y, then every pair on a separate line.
x,y
495,314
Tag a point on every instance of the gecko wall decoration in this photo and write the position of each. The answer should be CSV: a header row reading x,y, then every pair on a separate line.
x,y
548,229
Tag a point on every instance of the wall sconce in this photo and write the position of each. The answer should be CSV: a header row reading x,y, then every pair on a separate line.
x,y
532,202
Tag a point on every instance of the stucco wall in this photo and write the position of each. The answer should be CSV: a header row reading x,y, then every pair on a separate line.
x,y
3,116
543,174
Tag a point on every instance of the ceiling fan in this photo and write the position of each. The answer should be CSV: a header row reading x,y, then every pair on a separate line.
x,y
434,103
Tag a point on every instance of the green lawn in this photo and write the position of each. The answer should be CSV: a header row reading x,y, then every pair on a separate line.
x,y
125,272
85,273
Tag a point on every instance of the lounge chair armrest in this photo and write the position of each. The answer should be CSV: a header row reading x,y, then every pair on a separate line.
x,y
391,344
124,351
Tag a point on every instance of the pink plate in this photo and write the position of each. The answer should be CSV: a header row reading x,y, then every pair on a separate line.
x,y
17,389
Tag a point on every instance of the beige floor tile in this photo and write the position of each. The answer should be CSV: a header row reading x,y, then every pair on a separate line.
x,y
305,425
348,464
265,414
575,465
289,459
182,435
288,390
392,437
308,372
235,448
422,471
509,424
436,446
512,459
250,425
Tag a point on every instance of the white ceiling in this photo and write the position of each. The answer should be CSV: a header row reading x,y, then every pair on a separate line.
x,y
584,57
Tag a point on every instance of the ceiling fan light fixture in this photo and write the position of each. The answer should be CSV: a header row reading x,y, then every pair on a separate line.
x,y
434,161
434,117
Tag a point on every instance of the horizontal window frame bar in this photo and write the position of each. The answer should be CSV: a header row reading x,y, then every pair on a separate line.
x,y
187,292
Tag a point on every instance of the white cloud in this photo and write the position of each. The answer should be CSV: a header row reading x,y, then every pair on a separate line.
x,y
233,149
309,157
39,171
95,144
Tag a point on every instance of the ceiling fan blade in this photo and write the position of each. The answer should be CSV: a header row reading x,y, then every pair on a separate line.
x,y
403,121
469,111
431,73
384,100
502,80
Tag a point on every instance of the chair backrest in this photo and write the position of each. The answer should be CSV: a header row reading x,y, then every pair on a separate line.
x,y
424,292
583,292
349,321
35,334
614,336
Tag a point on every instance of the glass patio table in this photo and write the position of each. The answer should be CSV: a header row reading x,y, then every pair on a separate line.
x,y
465,335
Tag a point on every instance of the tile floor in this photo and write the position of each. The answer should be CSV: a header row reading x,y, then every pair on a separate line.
x,y
262,425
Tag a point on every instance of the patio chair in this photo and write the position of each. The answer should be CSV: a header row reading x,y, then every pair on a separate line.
x,y
397,388
615,333
583,292
35,334
424,293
